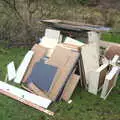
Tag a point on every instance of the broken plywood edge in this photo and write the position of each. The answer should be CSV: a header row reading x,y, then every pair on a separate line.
x,y
70,87
110,82
36,90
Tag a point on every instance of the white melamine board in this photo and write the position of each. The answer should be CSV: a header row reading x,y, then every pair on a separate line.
x,y
53,34
73,41
49,42
23,67
11,73
94,81
93,37
90,56
22,94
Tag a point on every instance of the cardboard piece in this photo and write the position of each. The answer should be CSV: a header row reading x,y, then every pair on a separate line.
x,y
23,67
70,87
110,82
11,71
42,75
39,52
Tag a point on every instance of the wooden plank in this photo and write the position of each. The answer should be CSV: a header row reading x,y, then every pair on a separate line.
x,y
106,44
24,95
23,67
90,57
70,87
110,82
39,52
69,40
11,71
27,102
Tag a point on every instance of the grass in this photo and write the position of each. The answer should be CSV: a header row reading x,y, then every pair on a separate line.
x,y
111,37
85,106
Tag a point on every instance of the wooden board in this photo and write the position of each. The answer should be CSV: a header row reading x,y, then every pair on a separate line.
x,y
90,57
65,59
11,71
70,87
39,52
23,67
24,95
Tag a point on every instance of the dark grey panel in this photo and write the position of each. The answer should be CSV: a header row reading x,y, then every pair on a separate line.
x,y
42,75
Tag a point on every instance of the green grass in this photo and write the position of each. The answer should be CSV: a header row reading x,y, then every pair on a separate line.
x,y
85,106
111,37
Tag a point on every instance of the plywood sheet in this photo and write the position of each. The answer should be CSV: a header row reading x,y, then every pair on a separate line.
x,y
39,52
36,90
65,59
70,87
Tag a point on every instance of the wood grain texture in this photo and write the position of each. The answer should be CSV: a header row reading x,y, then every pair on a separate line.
x,y
39,52
70,87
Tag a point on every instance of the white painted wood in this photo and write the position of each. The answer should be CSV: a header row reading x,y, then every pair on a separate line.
x,y
115,60
69,40
51,38
49,42
53,34
90,56
22,94
94,81
11,72
94,78
23,67
93,37
113,73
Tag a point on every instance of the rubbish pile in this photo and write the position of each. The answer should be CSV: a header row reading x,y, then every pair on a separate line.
x,y
52,69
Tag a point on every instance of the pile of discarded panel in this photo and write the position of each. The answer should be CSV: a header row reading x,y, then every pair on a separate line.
x,y
52,69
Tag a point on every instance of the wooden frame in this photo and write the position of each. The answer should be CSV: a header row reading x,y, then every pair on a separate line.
x,y
110,82
97,79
